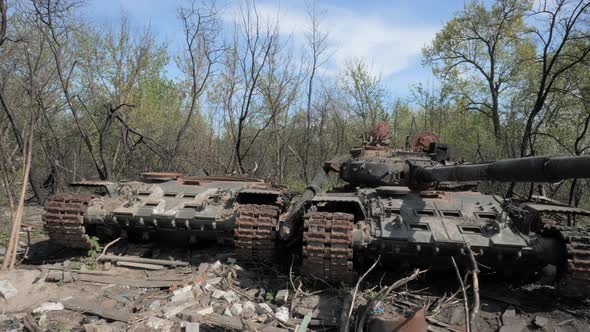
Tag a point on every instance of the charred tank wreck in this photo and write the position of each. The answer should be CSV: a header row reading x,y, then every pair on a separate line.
x,y
178,208
419,208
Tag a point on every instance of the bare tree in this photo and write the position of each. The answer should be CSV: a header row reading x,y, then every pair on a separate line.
x,y
201,29
254,42
317,42
279,87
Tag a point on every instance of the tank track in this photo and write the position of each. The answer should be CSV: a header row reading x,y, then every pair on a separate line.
x,y
255,231
64,220
327,246
575,277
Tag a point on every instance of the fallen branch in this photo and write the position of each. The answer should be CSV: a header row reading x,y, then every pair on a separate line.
x,y
30,324
346,325
136,259
383,294
465,302
104,250
126,281
475,281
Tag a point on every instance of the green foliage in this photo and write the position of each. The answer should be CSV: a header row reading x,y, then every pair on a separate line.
x,y
370,294
269,296
95,247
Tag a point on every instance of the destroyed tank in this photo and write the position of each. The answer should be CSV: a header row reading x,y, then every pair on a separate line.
x,y
415,207
227,209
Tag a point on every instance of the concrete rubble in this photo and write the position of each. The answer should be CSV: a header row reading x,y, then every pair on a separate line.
x,y
221,294
48,306
7,290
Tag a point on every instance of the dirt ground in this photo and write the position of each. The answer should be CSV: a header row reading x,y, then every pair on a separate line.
x,y
66,290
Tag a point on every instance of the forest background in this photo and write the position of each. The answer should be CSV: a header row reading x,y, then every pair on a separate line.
x,y
511,78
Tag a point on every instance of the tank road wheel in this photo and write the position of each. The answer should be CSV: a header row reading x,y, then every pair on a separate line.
x,y
255,231
327,246
575,274
64,220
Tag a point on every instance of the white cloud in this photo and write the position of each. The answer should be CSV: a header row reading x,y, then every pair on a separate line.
x,y
385,46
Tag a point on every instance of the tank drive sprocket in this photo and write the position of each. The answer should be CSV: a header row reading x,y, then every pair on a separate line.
x,y
255,231
64,220
327,246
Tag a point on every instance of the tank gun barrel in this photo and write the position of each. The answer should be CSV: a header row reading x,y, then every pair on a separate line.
x,y
527,169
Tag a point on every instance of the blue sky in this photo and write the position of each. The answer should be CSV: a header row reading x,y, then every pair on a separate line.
x,y
388,35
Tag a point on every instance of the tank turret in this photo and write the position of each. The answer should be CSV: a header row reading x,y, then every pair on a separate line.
x,y
427,168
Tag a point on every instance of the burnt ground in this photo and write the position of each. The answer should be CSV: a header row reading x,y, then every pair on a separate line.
x,y
216,292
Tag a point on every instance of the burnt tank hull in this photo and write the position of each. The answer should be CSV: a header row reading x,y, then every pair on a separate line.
x,y
416,207
343,230
225,209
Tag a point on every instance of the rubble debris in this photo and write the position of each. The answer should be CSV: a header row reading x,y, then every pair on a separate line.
x,y
48,306
9,323
230,323
236,309
144,266
416,322
185,289
210,288
159,324
90,319
263,308
215,266
203,267
205,311
213,281
540,322
59,276
248,309
570,325
155,305
135,259
230,296
173,312
228,312
6,289
282,314
383,294
102,326
510,322
252,292
94,307
191,327
217,294
281,297
509,316
183,297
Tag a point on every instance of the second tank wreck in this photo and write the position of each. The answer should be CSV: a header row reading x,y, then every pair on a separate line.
x,y
417,207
